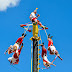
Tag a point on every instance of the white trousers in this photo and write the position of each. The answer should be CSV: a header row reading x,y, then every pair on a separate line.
x,y
53,49
12,59
17,46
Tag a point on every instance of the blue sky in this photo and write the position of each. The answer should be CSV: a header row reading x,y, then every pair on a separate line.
x,y
56,15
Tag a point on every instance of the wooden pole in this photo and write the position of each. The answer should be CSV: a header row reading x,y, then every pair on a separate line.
x,y
35,55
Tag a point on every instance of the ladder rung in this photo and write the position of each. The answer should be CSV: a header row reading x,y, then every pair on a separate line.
x,y
39,63
38,54
38,49
38,68
39,59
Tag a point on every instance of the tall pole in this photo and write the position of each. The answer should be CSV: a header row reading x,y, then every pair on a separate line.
x,y
35,55
35,40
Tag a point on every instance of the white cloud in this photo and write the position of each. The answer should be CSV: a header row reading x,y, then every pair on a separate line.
x,y
4,4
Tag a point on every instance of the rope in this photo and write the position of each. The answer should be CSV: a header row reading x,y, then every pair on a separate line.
x,y
46,33
28,22
26,29
54,59
40,37
31,56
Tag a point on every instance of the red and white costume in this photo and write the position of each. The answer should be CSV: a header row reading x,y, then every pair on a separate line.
x,y
51,46
17,43
50,42
15,59
52,49
33,17
46,62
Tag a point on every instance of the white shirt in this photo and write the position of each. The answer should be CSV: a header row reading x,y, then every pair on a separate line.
x,y
53,49
32,15
17,45
45,58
